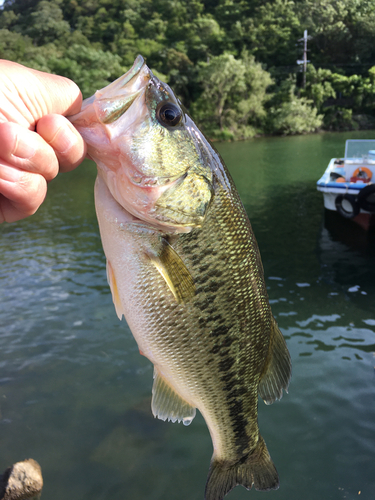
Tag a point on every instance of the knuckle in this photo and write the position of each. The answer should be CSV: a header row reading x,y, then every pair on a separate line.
x,y
8,138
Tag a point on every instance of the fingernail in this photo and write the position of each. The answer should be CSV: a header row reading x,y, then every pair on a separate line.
x,y
10,174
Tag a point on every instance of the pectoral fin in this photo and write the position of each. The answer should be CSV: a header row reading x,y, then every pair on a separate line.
x,y
173,270
166,404
113,286
277,368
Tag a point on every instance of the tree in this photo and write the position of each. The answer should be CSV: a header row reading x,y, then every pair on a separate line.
x,y
13,46
343,31
318,86
213,53
90,68
46,24
340,98
296,116
272,32
234,92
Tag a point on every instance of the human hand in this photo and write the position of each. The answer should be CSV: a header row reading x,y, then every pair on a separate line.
x,y
36,140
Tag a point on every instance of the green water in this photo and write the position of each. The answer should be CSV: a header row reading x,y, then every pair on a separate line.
x,y
75,393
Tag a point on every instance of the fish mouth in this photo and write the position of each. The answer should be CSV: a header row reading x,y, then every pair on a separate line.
x,y
110,103
113,101
117,87
133,71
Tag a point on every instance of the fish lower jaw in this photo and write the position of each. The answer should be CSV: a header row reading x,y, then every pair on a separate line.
x,y
118,215
115,212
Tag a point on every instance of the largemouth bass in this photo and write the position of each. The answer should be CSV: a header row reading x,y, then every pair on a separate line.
x,y
185,270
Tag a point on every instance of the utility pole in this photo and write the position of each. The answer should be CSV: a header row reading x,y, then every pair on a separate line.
x,y
304,61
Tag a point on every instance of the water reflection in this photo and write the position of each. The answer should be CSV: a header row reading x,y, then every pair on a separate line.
x,y
349,233
320,332
347,254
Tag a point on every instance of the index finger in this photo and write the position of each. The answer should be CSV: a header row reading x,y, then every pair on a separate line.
x,y
26,150
65,140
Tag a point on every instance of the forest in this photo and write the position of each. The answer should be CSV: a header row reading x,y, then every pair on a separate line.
x,y
233,63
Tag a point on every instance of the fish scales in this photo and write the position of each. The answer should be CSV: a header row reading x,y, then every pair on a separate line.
x,y
185,271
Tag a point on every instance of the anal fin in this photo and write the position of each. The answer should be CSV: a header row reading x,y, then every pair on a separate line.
x,y
277,368
166,404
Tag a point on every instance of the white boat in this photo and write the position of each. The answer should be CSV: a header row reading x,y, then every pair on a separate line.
x,y
348,184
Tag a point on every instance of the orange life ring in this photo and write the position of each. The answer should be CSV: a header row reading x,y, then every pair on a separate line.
x,y
358,174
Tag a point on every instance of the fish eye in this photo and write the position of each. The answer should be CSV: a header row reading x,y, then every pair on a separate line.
x,y
169,114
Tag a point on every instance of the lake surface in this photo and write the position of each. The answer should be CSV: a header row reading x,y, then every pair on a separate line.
x,y
75,393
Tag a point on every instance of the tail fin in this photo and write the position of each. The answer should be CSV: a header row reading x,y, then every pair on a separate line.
x,y
256,469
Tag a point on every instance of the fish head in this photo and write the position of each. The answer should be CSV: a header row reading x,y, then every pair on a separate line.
x,y
149,152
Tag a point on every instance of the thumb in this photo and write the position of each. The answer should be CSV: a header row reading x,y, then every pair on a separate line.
x,y
62,96
30,94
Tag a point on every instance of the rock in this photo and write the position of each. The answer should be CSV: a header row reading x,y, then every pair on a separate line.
x,y
21,481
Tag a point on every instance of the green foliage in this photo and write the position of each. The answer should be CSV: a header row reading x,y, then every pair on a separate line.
x,y
319,86
180,72
337,96
343,30
91,69
296,116
273,32
233,97
229,61
13,46
337,118
46,23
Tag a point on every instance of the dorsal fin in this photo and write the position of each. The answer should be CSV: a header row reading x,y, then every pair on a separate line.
x,y
166,404
277,368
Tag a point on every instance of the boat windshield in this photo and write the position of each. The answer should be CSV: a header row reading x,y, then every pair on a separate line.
x,y
363,149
